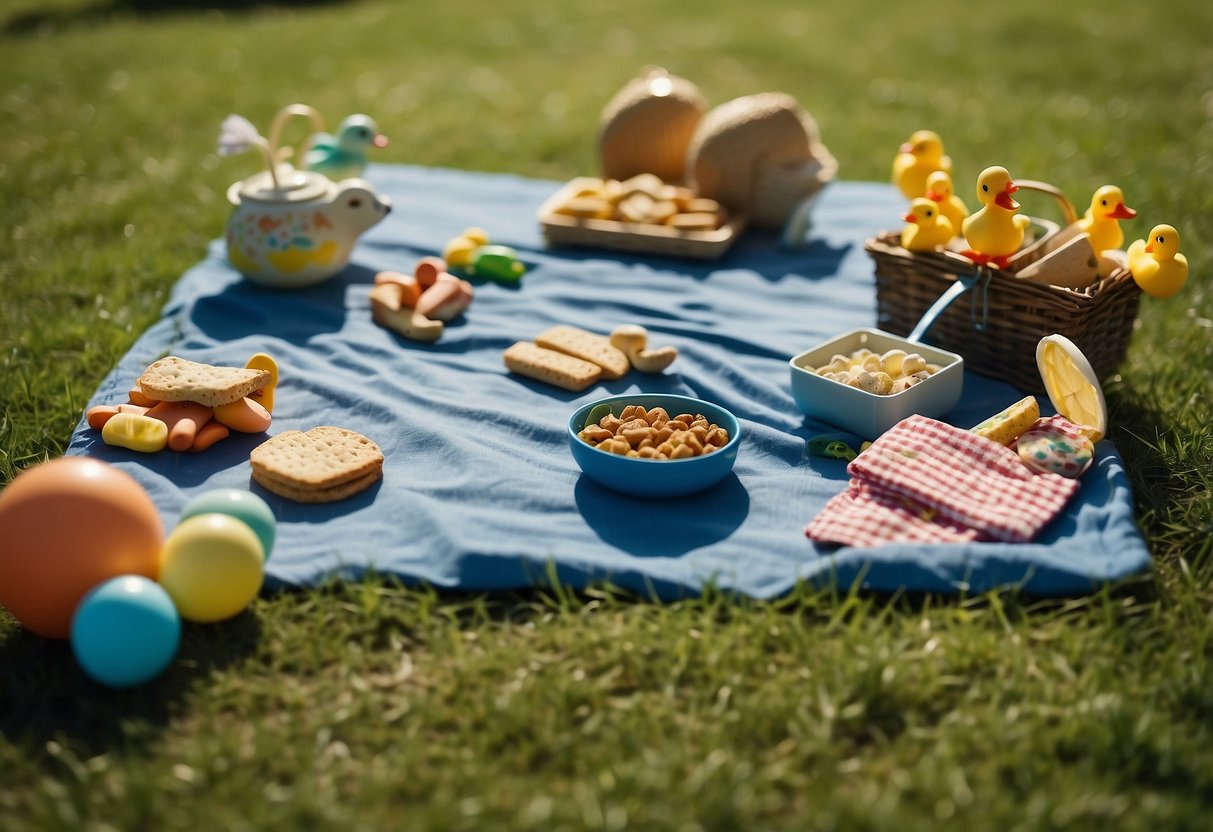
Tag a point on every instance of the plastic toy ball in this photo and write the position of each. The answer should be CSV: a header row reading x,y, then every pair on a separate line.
x,y
211,567
66,526
243,505
125,631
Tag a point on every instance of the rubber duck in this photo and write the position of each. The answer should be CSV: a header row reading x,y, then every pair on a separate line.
x,y
917,159
1157,266
343,156
927,229
939,190
1100,221
995,232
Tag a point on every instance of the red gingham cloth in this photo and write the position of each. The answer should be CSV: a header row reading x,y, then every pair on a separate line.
x,y
927,481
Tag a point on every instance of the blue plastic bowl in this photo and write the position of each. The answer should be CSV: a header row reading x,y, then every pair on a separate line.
x,y
656,477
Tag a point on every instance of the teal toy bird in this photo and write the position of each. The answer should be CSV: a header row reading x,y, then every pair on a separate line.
x,y
343,156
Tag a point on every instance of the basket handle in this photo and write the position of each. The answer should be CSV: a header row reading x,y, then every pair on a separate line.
x,y
964,282
1067,208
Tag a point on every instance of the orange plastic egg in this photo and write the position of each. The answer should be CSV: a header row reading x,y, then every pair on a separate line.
x,y
66,526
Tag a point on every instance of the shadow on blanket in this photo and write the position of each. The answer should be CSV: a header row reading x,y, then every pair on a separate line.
x,y
658,528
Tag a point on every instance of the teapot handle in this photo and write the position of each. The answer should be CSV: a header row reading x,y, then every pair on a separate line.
x,y
280,121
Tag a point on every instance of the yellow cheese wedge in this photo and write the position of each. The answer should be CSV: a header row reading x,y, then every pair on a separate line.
x,y
1005,427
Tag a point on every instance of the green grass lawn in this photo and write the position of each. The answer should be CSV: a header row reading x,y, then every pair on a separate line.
x,y
375,706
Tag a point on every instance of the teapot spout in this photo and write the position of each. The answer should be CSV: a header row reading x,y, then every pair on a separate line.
x,y
359,205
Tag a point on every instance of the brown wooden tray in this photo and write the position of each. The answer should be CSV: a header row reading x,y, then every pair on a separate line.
x,y
645,238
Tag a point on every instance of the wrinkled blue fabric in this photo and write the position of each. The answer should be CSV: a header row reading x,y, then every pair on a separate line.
x,y
480,491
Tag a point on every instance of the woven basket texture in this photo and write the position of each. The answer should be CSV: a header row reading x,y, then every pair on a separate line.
x,y
647,129
997,325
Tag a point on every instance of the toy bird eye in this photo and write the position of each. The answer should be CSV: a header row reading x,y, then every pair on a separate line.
x,y
355,203
985,187
1161,238
930,213
1103,202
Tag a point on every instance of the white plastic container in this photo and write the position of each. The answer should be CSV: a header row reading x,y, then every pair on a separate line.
x,y
867,414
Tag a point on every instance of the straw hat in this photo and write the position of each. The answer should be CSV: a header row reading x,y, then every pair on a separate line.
x,y
761,155
647,126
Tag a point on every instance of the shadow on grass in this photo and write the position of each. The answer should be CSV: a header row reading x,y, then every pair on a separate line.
x,y
37,20
45,696
1163,466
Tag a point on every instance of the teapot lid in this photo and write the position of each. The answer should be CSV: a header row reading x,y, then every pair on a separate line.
x,y
293,186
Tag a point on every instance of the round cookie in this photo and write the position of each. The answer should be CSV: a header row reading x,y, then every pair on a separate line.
x,y
324,465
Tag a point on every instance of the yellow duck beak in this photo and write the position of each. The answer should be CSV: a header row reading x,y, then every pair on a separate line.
x,y
909,218
1122,212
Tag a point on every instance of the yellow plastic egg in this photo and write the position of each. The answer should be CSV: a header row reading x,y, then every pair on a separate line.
x,y
211,567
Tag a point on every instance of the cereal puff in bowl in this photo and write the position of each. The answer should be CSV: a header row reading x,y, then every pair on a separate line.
x,y
637,444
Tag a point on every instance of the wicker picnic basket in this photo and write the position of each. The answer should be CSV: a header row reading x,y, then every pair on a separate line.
x,y
648,125
997,326
760,155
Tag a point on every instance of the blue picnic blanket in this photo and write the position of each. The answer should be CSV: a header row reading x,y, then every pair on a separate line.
x,y
480,491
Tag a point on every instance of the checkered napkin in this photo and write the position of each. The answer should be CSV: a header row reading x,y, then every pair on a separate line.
x,y
926,481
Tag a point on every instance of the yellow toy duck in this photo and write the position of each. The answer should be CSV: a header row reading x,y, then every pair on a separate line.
x,y
917,159
1100,221
1157,266
939,189
927,229
995,232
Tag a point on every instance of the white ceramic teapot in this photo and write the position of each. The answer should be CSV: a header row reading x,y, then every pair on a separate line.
x,y
292,228
300,229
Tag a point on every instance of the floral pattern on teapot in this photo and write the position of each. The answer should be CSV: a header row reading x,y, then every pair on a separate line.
x,y
288,243
289,238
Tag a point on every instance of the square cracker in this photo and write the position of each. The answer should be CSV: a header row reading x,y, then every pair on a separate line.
x,y
597,349
175,379
320,459
551,366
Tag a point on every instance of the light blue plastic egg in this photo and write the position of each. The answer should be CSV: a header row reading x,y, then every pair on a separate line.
x,y
125,631
243,505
